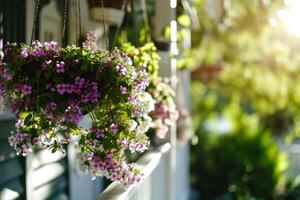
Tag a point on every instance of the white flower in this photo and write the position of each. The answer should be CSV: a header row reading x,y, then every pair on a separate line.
x,y
132,125
144,125
147,101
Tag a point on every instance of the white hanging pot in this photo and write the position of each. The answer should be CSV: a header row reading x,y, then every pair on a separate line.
x,y
86,122
112,16
112,11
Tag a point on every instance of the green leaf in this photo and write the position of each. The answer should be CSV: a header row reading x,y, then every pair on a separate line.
x,y
84,53
27,120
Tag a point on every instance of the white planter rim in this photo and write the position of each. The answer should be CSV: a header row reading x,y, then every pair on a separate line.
x,y
112,16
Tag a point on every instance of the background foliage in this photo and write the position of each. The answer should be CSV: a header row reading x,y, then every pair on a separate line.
x,y
258,80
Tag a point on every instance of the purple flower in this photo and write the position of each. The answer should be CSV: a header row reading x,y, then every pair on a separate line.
x,y
138,147
73,102
37,50
75,62
106,64
90,43
79,82
136,112
60,67
26,89
93,129
99,133
15,105
46,63
24,53
108,155
123,90
121,70
85,98
113,128
91,93
36,141
91,35
52,106
94,97
73,114
61,88
125,143
76,89
36,44
140,86
21,143
69,88
7,48
132,98
51,45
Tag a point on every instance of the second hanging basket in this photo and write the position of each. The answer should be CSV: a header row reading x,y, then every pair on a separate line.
x,y
113,11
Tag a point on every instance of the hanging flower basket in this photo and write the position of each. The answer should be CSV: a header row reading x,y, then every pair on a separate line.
x,y
112,11
165,113
50,89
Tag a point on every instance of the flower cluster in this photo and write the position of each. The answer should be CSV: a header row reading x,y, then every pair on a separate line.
x,y
144,57
126,174
22,141
164,113
50,89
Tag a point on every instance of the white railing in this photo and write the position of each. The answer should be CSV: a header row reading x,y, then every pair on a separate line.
x,y
155,166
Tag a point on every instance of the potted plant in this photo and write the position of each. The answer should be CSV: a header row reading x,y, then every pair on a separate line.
x,y
50,89
113,11
165,113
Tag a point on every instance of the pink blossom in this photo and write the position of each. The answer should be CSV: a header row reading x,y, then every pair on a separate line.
x,y
60,67
123,90
113,128
26,89
100,133
61,88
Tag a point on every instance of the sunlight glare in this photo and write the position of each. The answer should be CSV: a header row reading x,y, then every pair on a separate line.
x,y
290,16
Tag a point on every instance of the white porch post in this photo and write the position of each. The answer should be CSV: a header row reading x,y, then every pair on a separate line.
x,y
165,17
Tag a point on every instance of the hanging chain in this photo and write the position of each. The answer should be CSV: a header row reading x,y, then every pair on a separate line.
x,y
125,2
78,21
1,37
123,8
104,27
146,20
79,18
37,7
65,22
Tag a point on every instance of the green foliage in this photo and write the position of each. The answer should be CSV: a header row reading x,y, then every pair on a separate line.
x,y
243,163
292,190
257,93
223,24
144,57
268,68
255,56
